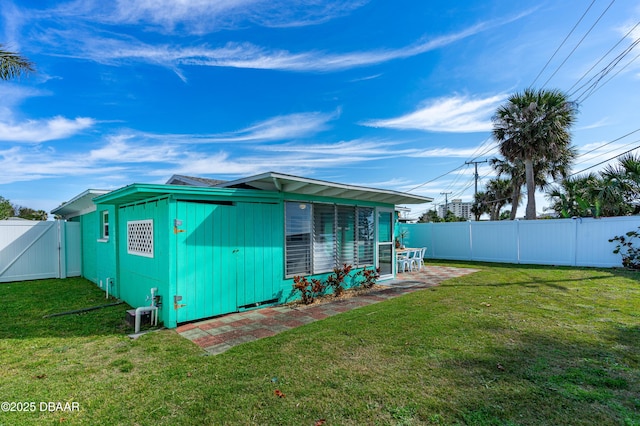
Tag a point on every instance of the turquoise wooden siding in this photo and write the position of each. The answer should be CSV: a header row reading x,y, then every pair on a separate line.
x,y
228,257
260,255
89,225
106,250
138,274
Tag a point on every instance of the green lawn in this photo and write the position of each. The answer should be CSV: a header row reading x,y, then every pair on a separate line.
x,y
509,345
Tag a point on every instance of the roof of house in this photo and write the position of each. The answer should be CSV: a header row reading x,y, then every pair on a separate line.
x,y
265,185
280,182
193,181
80,204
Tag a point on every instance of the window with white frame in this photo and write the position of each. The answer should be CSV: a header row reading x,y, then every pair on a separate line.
x,y
140,237
297,238
104,225
320,237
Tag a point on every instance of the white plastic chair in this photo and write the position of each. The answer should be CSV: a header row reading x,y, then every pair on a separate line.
x,y
403,263
416,259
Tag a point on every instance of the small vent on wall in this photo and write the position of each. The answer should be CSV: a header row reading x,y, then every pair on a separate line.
x,y
140,237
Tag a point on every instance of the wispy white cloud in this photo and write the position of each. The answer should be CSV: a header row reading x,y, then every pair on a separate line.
x,y
600,123
126,148
452,152
118,49
205,16
279,128
12,95
248,55
596,152
450,114
358,147
283,127
36,131
148,157
369,77
21,164
12,18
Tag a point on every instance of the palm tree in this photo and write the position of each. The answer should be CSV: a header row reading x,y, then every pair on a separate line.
x,y
498,195
516,174
533,127
624,179
480,204
577,196
13,65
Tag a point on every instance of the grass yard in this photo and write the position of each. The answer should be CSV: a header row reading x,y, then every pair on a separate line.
x,y
509,345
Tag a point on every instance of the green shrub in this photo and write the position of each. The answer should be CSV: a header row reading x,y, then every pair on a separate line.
x,y
630,253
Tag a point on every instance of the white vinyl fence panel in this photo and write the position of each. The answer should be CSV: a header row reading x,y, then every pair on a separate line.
x,y
32,250
495,241
573,242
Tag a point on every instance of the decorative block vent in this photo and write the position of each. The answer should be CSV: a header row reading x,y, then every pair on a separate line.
x,y
140,237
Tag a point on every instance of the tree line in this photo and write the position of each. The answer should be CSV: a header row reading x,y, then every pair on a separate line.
x,y
7,210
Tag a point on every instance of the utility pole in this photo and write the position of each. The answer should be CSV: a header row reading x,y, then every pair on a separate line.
x,y
446,204
475,163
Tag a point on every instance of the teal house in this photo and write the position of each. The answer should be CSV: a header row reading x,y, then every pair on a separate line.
x,y
201,247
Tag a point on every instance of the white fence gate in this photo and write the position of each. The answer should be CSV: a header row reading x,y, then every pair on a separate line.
x,y
32,250
572,242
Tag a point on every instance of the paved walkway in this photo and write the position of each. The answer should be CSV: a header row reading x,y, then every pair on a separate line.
x,y
222,333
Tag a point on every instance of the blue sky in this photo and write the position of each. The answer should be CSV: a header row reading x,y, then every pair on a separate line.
x,y
389,94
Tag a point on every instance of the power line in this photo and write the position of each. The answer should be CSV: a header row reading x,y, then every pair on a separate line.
x,y
562,44
474,156
602,162
579,43
436,178
619,71
475,175
600,75
620,147
592,89
608,143
603,56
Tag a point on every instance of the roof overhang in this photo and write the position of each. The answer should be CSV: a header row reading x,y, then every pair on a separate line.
x,y
140,192
79,205
193,181
280,182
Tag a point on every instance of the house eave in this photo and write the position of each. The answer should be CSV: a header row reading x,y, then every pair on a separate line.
x,y
79,205
138,192
280,182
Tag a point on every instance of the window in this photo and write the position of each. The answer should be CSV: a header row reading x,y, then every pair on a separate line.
x,y
320,237
298,238
366,236
140,237
104,225
346,235
324,237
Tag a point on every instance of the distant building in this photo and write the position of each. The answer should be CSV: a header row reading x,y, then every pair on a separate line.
x,y
458,208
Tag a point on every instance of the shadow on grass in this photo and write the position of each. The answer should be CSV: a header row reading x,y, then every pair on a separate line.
x,y
552,380
535,282
533,275
27,302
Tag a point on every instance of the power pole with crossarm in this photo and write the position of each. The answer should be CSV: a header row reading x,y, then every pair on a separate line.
x,y
475,163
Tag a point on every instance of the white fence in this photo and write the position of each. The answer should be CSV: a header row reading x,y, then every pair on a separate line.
x,y
32,250
572,242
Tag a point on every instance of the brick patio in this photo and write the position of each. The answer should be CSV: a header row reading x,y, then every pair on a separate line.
x,y
220,334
